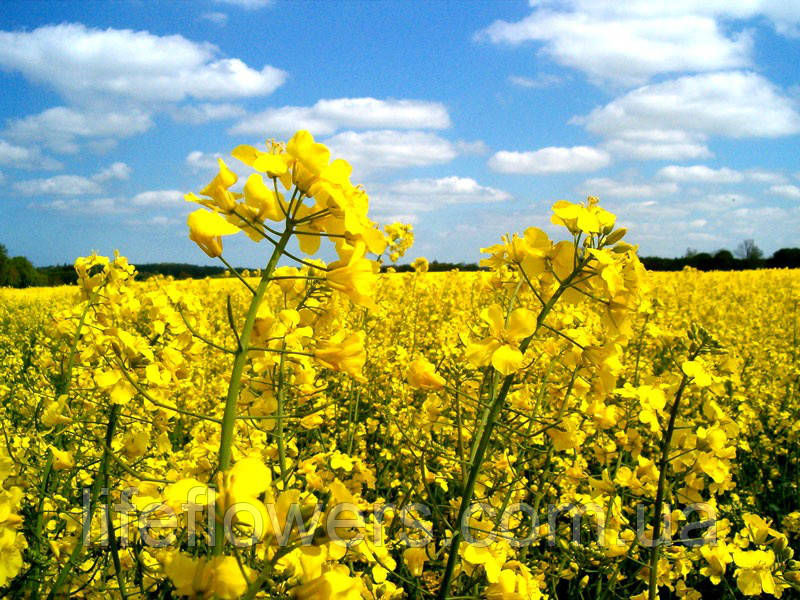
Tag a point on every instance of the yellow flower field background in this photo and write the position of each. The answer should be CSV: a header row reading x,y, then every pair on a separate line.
x,y
561,424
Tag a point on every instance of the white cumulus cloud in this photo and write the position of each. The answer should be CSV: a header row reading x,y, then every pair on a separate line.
x,y
700,174
117,170
422,195
155,221
673,120
218,18
329,115
718,203
541,80
60,185
61,127
624,48
788,191
130,65
25,157
606,187
658,145
384,150
628,43
143,201
197,114
732,104
93,206
246,4
73,185
158,198
550,160
765,176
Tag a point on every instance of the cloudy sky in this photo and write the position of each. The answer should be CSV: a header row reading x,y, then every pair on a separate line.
x,y
468,119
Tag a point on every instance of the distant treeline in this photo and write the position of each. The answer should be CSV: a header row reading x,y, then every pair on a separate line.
x,y
746,256
65,274
437,267
18,271
724,260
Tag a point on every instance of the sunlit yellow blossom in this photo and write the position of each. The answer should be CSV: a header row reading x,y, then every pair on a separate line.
x,y
696,371
754,572
10,556
528,252
217,194
335,584
220,577
206,230
422,375
310,158
501,348
353,275
274,165
514,583
718,558
414,559
420,264
262,199
237,497
62,459
342,352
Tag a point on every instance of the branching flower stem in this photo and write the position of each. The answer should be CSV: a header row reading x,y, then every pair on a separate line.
x,y
99,480
485,434
62,387
662,478
239,361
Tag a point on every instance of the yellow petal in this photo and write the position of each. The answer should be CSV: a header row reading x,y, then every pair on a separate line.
x,y
207,223
262,198
250,477
479,354
379,574
122,392
566,210
273,165
309,244
521,323
588,221
313,156
507,359
749,583
493,316
106,379
246,154
697,372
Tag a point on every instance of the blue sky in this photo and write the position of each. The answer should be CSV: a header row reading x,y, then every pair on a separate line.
x,y
468,119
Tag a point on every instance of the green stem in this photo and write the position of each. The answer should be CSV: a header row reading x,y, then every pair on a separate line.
x,y
74,557
460,440
37,534
62,387
239,362
493,412
279,424
110,531
662,477
353,424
